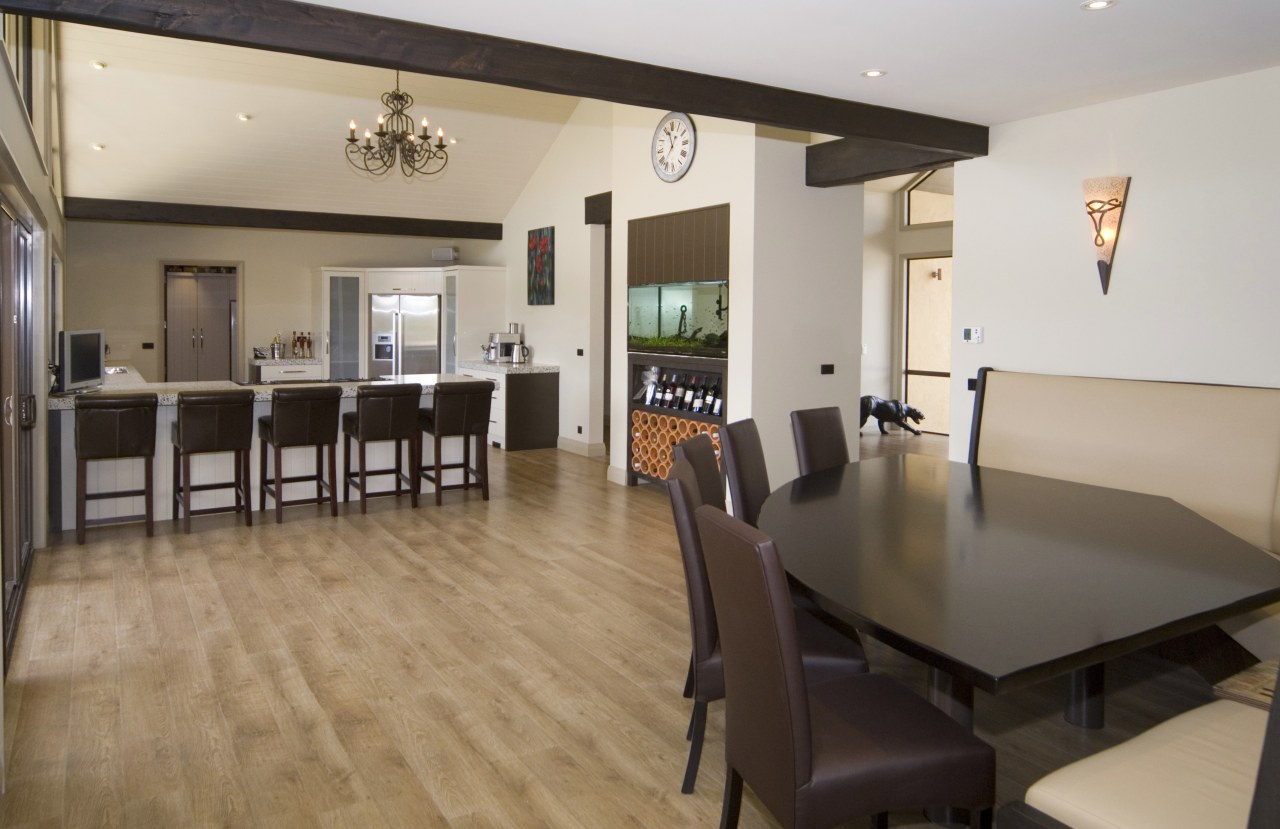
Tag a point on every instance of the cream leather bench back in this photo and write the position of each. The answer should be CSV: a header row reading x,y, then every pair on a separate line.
x,y
1214,449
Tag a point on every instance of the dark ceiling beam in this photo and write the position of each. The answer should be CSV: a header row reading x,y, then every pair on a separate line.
x,y
112,210
857,160
340,35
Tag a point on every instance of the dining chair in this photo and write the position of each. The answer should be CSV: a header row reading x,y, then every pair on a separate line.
x,y
745,468
820,440
818,754
700,452
825,653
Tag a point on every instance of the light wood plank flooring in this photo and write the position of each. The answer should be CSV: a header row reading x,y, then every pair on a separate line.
x,y
516,663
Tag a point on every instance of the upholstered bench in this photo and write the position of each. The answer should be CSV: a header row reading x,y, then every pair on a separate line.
x,y
1214,449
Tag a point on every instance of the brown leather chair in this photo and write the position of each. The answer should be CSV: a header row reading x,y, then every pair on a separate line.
x,y
745,468
818,754
820,439
459,409
700,452
212,421
114,427
825,653
388,412
300,416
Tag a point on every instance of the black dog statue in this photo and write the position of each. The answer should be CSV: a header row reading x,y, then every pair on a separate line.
x,y
889,411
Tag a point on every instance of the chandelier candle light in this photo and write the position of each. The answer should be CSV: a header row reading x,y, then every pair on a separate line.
x,y
397,146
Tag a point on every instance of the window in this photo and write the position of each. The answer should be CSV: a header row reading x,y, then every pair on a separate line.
x,y
17,48
930,198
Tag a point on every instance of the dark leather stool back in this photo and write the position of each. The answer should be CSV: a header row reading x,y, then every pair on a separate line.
x,y
214,421
302,416
115,426
460,408
820,440
386,412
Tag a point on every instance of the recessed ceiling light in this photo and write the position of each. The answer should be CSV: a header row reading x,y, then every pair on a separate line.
x,y
874,73
244,116
99,147
97,64
1097,5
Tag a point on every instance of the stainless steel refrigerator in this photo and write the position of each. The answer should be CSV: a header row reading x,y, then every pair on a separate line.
x,y
405,330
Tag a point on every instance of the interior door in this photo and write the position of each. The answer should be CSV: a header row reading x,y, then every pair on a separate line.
x,y
181,321
927,357
214,293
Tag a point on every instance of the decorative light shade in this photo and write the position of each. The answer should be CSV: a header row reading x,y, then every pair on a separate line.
x,y
1104,199
396,144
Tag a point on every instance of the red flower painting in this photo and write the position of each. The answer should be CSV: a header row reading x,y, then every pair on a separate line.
x,y
542,266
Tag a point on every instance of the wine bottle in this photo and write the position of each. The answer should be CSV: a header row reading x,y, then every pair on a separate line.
x,y
689,393
668,390
653,389
719,401
678,399
709,395
698,394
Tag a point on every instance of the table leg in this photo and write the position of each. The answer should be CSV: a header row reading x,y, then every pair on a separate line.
x,y
1085,707
953,696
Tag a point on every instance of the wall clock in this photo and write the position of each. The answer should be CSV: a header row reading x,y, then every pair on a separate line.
x,y
673,144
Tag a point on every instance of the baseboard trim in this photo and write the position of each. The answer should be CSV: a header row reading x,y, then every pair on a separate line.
x,y
578,447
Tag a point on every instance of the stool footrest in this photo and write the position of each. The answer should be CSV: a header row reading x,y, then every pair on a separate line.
x,y
122,493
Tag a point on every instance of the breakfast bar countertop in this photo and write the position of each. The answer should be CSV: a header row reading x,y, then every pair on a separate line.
x,y
131,381
508,368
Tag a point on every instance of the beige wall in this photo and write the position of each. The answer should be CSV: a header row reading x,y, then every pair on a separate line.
x,y
114,280
1192,297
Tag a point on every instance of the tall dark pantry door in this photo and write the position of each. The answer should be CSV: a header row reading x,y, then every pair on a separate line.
x,y
17,420
200,318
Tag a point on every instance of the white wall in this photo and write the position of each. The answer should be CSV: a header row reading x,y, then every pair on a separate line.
x,y
577,166
721,174
807,302
1192,294
114,280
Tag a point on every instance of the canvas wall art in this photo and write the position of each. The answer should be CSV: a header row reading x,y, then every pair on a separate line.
x,y
542,266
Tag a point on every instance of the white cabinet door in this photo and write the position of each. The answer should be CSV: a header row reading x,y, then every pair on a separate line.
x,y
341,323
498,409
397,281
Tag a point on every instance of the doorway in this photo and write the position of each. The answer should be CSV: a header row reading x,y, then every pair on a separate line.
x,y
17,425
200,322
926,358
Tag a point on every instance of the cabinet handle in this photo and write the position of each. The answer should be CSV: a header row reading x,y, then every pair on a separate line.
x,y
193,338
8,411
202,338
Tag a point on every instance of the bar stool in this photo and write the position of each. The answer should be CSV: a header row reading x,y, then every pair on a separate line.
x,y
212,421
301,416
114,427
459,409
388,412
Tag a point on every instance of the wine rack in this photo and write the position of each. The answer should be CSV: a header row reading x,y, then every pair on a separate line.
x,y
655,430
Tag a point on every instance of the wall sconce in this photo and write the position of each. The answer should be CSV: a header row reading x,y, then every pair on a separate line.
x,y
1104,199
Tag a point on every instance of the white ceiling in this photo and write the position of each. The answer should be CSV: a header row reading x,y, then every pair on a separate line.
x,y
165,109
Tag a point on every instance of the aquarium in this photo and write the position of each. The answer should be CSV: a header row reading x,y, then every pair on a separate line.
x,y
679,318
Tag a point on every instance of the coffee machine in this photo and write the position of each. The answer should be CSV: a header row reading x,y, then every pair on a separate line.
x,y
506,346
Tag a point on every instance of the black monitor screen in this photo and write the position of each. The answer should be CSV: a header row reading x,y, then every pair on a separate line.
x,y
86,357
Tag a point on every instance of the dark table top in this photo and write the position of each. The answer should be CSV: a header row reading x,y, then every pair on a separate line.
x,y
1004,579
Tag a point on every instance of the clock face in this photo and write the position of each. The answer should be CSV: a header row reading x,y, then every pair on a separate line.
x,y
673,144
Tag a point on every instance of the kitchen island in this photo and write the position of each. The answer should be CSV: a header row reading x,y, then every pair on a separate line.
x,y
128,474
526,402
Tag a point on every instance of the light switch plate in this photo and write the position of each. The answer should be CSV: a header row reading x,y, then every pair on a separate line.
x,y
972,334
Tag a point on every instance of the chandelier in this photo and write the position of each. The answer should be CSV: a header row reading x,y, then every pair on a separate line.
x,y
396,144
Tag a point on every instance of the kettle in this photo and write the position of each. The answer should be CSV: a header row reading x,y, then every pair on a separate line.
x,y
520,353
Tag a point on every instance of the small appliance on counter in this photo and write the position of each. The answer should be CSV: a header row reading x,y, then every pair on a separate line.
x,y
506,347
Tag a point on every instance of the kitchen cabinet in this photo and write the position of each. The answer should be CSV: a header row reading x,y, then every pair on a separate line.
x,y
525,413
474,304
199,325
289,371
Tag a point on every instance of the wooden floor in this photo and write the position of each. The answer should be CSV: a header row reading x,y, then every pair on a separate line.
x,y
516,663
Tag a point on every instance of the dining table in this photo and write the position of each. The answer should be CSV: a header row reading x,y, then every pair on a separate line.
x,y
997,580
